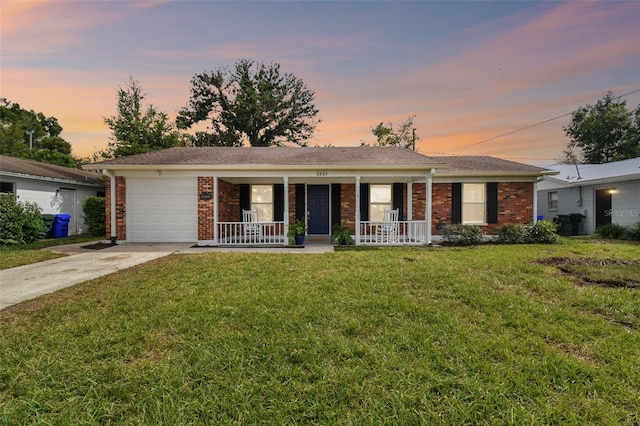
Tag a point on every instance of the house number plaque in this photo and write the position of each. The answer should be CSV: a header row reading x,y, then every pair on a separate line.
x,y
206,195
322,173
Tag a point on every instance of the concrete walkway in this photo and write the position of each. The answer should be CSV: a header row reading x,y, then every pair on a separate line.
x,y
29,281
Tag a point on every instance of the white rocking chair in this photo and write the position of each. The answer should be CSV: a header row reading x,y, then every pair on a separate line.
x,y
252,229
387,231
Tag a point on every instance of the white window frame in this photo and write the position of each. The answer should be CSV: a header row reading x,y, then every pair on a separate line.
x,y
262,206
551,200
378,206
467,204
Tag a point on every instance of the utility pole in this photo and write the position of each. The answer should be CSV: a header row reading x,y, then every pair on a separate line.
x,y
30,133
414,139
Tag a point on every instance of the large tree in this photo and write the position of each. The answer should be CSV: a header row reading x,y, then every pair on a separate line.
x,y
135,130
603,132
253,103
404,134
25,133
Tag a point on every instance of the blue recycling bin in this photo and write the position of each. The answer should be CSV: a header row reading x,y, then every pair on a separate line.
x,y
60,226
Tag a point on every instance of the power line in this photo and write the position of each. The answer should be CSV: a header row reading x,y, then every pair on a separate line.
x,y
531,125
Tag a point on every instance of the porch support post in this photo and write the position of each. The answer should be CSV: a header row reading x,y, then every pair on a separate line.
x,y
535,202
113,234
409,200
286,208
215,210
357,242
429,209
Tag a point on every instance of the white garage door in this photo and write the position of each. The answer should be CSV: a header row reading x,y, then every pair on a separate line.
x,y
162,210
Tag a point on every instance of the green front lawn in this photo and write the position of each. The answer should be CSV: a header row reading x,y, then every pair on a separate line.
x,y
26,254
483,335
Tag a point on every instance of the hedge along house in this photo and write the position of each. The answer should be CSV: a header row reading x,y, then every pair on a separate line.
x,y
55,189
199,194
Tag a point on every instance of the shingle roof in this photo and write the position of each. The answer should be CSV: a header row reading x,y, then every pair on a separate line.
x,y
363,156
31,168
477,164
275,156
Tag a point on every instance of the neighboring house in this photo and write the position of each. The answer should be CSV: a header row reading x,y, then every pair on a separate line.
x,y
199,194
55,189
601,193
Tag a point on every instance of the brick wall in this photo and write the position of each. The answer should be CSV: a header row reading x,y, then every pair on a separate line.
x,y
292,203
121,208
515,203
107,207
418,200
441,204
205,209
228,201
348,205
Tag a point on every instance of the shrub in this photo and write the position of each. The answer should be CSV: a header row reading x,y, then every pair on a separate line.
x,y
10,213
511,234
464,235
542,232
94,215
32,223
20,222
342,235
633,233
611,231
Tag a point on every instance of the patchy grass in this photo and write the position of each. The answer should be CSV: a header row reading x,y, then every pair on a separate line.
x,y
481,335
26,254
605,272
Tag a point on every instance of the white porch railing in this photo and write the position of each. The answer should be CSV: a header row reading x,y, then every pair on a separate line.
x,y
393,233
260,233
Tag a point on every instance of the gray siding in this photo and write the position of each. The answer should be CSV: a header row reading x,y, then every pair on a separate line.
x,y
625,203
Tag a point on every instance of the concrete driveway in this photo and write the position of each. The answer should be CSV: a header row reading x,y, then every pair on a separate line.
x,y
29,281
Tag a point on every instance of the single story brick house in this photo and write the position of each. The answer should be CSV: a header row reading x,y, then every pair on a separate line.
x,y
198,194
55,189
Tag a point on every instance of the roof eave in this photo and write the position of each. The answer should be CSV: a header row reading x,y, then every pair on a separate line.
x,y
600,181
498,174
51,179
266,167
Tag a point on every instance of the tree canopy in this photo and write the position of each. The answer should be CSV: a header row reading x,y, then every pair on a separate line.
x,y
30,134
251,102
135,130
604,132
404,134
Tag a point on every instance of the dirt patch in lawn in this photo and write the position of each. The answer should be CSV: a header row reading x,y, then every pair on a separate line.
x,y
615,273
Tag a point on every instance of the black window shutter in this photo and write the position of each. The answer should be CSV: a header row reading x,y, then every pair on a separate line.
x,y
456,203
278,202
245,198
398,199
336,211
300,202
492,202
364,201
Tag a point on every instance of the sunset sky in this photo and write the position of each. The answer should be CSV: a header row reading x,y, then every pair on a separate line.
x,y
468,70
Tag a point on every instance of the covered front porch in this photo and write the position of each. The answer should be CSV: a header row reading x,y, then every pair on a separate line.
x,y
321,199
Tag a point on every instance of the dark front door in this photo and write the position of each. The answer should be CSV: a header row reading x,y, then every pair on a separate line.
x,y
603,207
318,208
